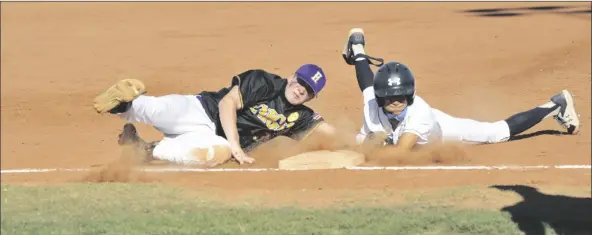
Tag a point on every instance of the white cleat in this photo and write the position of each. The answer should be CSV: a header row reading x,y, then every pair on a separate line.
x,y
567,116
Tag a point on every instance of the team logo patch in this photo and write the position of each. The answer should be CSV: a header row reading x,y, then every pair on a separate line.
x,y
394,81
293,117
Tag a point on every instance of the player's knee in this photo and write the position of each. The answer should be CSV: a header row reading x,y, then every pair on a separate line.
x,y
211,156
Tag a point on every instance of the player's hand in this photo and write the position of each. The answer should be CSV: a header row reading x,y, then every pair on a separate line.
x,y
241,156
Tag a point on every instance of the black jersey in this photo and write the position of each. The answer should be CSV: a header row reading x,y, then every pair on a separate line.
x,y
265,112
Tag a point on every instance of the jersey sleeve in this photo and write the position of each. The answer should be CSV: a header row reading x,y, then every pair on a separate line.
x,y
421,123
368,95
372,114
254,86
364,134
305,124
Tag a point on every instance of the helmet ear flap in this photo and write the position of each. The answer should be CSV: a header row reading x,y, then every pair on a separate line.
x,y
380,101
410,99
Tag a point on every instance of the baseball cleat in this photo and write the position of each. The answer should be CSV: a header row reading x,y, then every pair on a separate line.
x,y
141,150
129,135
355,37
567,116
122,92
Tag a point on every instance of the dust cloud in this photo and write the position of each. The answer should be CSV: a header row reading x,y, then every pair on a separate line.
x,y
120,170
269,154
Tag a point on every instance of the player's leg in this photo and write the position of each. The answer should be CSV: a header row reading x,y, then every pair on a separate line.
x,y
355,54
471,131
190,136
189,133
190,148
561,108
201,148
170,114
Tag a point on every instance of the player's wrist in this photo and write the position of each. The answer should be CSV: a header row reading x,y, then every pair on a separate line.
x,y
235,147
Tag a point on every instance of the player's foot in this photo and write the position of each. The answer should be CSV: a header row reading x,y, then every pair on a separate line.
x,y
117,97
353,50
141,149
355,37
567,116
129,135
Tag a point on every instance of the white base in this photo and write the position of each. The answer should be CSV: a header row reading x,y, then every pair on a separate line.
x,y
322,160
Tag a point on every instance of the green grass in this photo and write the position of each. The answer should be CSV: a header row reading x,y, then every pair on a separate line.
x,y
156,209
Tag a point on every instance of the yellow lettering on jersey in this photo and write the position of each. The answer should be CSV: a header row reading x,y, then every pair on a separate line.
x,y
293,117
263,111
272,119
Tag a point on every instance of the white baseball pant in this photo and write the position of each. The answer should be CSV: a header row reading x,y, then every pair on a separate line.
x,y
189,134
471,131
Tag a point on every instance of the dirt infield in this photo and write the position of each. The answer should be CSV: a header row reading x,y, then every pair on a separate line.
x,y
479,60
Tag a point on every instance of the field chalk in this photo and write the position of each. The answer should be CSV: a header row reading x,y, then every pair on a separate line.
x,y
358,168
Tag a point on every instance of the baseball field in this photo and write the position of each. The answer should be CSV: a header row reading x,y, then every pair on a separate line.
x,y
484,61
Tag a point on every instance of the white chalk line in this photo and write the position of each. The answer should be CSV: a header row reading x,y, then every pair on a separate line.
x,y
358,168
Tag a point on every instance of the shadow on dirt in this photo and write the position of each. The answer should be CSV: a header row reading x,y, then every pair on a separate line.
x,y
564,214
523,11
537,133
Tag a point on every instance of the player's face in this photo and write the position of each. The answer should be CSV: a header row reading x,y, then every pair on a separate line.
x,y
297,91
395,104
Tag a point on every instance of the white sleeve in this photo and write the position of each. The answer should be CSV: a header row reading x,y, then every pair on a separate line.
x,y
421,122
368,94
372,112
364,132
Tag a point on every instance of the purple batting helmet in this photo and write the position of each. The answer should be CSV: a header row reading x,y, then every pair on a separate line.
x,y
313,75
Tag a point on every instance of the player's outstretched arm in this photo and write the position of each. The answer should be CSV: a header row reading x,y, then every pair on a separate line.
x,y
407,141
228,107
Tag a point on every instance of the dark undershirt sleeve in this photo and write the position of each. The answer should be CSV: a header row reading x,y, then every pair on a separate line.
x,y
364,74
